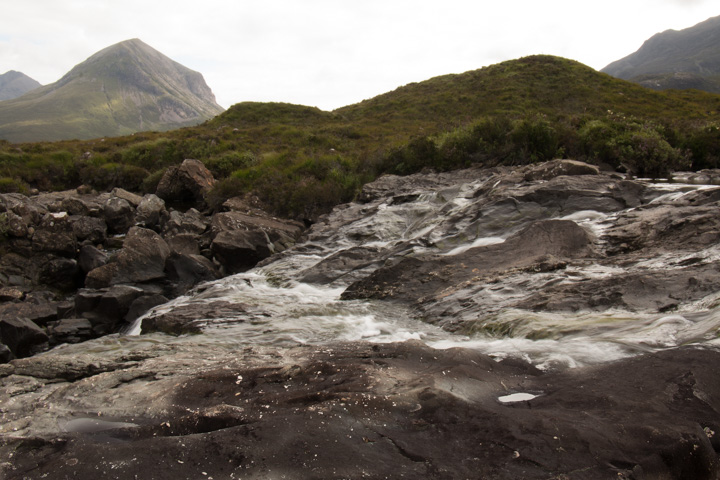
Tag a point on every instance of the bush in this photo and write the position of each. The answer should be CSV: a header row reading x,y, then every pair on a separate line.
x,y
111,175
626,143
534,140
12,185
223,165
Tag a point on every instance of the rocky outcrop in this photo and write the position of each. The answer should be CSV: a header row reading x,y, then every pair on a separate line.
x,y
65,241
356,411
186,184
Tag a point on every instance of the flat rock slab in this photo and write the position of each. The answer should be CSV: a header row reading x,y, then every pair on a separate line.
x,y
356,411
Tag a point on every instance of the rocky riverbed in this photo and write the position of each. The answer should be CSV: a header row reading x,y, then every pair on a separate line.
x,y
549,321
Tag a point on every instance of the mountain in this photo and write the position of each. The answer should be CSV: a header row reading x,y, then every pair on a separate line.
x,y
15,84
125,88
688,58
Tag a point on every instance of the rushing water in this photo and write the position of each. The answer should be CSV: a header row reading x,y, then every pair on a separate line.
x,y
285,311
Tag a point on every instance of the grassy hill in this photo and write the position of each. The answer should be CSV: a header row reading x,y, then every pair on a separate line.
x,y
300,161
122,89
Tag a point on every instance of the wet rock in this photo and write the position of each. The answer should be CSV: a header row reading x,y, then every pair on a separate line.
x,y
421,277
186,184
22,336
193,318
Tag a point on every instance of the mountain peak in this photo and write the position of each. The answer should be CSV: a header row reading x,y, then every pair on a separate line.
x,y
14,84
675,59
124,88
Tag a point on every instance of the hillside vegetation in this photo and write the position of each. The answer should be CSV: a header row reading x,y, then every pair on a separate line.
x,y
300,161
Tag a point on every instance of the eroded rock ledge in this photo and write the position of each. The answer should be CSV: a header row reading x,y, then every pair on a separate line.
x,y
356,411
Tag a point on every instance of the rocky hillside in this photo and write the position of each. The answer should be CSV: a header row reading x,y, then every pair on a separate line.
x,y
15,84
688,58
125,88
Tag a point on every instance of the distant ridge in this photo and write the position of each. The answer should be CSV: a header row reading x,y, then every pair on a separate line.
x,y
15,84
122,89
683,59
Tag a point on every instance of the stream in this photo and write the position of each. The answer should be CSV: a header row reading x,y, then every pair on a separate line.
x,y
286,311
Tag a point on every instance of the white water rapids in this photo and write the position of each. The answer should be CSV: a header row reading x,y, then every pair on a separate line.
x,y
291,312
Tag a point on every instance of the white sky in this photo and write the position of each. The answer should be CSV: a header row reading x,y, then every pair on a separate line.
x,y
332,53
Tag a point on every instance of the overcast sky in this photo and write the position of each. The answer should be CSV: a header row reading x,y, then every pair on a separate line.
x,y
332,53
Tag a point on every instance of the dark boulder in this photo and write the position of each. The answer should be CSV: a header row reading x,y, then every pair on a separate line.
x,y
60,273
106,308
55,234
70,330
240,240
141,259
191,221
91,258
119,215
89,229
142,305
184,271
186,184
151,212
23,337
238,251
39,311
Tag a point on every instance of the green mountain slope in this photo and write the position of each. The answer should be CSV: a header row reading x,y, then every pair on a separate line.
x,y
122,89
15,84
688,58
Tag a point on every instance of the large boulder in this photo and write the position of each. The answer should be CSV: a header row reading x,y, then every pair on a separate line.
x,y
142,259
241,240
186,184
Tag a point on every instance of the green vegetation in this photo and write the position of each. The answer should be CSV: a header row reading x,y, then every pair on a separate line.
x,y
300,161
